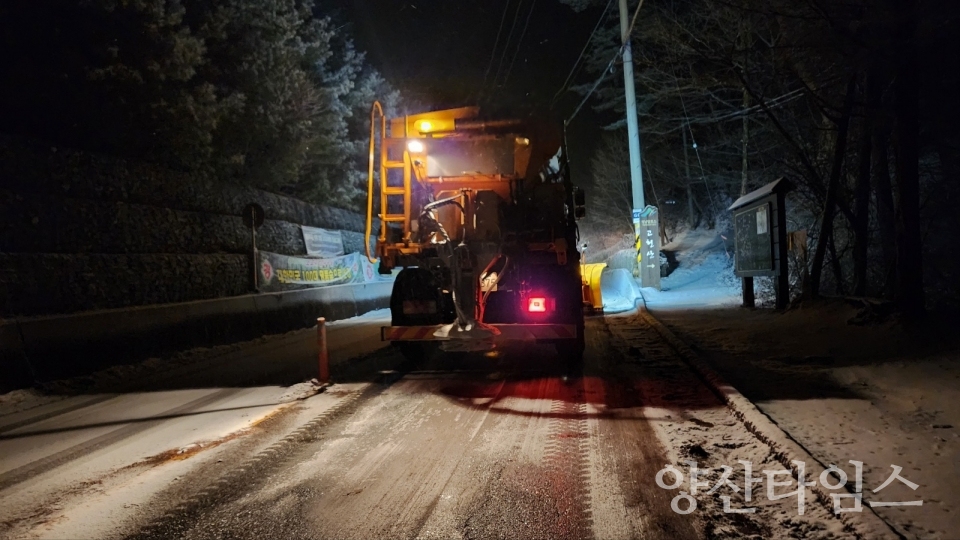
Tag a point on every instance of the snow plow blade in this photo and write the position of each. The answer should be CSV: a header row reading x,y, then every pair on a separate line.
x,y
590,275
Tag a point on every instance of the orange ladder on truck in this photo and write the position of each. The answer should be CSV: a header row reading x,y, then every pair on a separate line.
x,y
392,140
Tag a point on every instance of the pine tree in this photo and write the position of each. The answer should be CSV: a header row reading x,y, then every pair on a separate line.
x,y
269,93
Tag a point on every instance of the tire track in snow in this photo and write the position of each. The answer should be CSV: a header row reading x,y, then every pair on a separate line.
x,y
40,466
566,461
175,522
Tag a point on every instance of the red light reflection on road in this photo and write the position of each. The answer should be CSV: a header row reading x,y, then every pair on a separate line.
x,y
601,397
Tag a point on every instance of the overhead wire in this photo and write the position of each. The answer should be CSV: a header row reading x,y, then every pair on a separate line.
x,y
582,52
519,42
595,85
496,43
506,45
607,69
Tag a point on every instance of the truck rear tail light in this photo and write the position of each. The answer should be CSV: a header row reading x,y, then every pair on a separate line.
x,y
537,304
419,307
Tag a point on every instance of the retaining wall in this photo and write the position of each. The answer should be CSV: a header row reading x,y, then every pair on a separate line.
x,y
82,231
106,261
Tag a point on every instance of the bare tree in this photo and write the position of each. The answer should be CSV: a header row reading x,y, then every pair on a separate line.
x,y
736,93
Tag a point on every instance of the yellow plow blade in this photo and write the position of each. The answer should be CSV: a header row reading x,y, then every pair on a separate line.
x,y
590,274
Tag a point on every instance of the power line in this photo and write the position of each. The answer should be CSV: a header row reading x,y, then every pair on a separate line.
x,y
609,66
506,46
595,85
634,20
582,52
519,42
493,53
693,139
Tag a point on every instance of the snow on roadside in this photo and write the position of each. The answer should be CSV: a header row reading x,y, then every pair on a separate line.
x,y
121,377
704,277
706,285
300,391
377,314
618,290
881,394
24,399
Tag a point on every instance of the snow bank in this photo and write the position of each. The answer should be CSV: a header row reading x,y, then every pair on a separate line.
x,y
704,277
709,284
618,290
382,315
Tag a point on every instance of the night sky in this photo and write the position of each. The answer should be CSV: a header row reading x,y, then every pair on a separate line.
x,y
437,52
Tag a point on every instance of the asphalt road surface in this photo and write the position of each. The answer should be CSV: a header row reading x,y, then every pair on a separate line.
x,y
505,445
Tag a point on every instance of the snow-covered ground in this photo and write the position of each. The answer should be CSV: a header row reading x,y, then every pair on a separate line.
x,y
703,279
349,337
82,456
844,381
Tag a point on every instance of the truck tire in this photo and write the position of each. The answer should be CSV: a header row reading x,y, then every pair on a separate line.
x,y
420,284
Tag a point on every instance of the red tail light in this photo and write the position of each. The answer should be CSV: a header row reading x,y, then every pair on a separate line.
x,y
537,305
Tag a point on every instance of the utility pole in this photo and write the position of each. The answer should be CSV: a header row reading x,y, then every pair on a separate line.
x,y
633,130
645,219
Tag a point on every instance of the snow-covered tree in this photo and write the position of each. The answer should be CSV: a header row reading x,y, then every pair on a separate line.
x,y
269,93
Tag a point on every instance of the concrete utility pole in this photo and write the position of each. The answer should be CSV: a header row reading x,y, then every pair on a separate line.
x,y
646,220
633,130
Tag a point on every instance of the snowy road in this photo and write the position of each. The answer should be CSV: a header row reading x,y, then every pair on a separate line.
x,y
469,447
80,466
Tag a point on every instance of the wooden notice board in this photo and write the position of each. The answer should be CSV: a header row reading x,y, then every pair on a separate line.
x,y
754,241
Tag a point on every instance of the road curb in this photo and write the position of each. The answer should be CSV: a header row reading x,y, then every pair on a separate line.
x,y
865,524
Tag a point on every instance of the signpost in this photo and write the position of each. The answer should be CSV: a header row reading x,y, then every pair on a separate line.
x,y
760,233
646,228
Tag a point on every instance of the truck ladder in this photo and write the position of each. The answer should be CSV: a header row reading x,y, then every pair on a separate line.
x,y
389,147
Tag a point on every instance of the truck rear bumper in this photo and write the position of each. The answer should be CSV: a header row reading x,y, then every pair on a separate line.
x,y
507,332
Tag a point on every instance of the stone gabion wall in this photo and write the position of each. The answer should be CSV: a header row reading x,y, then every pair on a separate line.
x,y
81,231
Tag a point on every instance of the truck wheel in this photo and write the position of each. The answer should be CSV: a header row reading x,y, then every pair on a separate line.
x,y
418,284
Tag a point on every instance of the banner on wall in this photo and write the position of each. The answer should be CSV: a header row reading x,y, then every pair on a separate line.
x,y
280,272
322,243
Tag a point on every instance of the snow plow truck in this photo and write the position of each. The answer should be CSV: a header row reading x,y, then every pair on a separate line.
x,y
481,217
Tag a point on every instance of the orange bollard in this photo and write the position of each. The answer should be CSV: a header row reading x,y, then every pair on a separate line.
x,y
322,345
